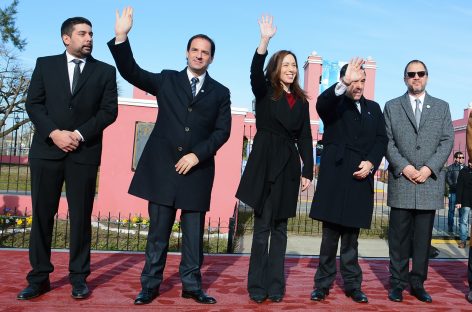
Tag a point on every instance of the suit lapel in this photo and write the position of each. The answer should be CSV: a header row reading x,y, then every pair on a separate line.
x,y
207,87
64,73
185,84
426,111
406,104
89,68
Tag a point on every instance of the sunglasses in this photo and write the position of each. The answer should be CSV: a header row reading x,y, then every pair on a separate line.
x,y
460,157
421,74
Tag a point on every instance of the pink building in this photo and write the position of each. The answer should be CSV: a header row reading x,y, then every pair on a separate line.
x,y
460,126
119,142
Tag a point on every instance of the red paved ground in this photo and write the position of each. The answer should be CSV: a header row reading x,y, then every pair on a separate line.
x,y
115,282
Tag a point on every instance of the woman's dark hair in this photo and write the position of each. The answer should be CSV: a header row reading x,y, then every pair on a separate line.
x,y
273,70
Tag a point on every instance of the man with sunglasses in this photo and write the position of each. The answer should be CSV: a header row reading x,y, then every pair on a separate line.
x,y
451,179
420,133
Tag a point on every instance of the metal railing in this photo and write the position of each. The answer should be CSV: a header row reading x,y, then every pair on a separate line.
x,y
302,224
119,233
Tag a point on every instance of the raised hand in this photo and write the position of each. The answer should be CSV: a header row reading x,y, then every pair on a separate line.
x,y
267,29
354,70
123,23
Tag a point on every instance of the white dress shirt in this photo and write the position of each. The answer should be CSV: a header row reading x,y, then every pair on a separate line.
x,y
413,101
201,79
71,66
70,70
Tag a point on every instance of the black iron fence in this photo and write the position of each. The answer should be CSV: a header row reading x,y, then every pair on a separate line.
x,y
118,233
302,224
14,149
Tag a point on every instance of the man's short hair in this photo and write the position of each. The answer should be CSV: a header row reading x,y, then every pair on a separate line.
x,y
342,72
415,61
68,25
457,154
202,36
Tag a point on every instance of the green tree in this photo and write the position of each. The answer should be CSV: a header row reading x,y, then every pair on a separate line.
x,y
14,79
8,28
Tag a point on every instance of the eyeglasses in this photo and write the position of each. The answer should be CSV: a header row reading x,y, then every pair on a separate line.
x,y
460,157
421,74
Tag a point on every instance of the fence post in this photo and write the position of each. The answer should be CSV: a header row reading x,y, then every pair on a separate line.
x,y
231,232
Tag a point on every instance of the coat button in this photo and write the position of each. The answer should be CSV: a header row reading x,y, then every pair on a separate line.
x,y
180,148
418,147
189,109
187,129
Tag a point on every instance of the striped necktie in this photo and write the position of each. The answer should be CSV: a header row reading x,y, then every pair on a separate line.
x,y
193,84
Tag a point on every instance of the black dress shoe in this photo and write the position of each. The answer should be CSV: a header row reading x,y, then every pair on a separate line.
x,y
421,294
146,296
433,252
33,291
258,298
319,294
80,290
276,298
396,294
199,296
469,296
357,296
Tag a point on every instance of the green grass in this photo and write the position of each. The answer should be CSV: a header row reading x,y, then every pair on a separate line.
x,y
17,178
107,239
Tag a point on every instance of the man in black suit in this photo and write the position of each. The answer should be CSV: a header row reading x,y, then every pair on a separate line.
x,y
72,98
176,169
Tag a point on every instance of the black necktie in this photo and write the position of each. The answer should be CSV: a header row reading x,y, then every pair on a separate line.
x,y
76,76
193,84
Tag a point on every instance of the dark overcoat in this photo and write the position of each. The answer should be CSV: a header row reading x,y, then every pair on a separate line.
x,y
283,137
199,125
349,138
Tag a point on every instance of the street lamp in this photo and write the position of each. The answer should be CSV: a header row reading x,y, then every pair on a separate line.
x,y
17,120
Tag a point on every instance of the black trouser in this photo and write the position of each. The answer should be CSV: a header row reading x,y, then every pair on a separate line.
x,y
47,179
410,232
266,265
349,266
162,219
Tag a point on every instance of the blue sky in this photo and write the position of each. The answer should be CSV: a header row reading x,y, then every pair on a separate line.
x,y
391,32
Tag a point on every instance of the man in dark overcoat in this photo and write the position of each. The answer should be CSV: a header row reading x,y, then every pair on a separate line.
x,y
354,144
177,166
420,138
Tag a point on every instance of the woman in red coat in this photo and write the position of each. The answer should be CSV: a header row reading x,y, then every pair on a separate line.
x,y
273,173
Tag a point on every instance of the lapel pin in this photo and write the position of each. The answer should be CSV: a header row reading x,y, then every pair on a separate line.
x,y
427,106
368,113
202,90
